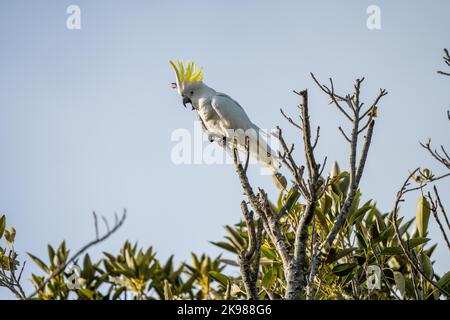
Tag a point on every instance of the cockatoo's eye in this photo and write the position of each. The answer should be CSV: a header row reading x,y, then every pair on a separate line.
x,y
192,93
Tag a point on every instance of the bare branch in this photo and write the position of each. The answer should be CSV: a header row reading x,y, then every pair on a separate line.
x,y
345,136
434,211
263,210
290,120
250,273
296,272
447,62
436,155
317,138
333,96
365,151
289,161
247,150
441,206
95,224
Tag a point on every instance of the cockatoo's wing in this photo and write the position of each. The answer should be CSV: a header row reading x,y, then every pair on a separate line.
x,y
231,113
233,117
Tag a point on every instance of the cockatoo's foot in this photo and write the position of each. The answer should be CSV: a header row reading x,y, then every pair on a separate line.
x,y
224,141
217,137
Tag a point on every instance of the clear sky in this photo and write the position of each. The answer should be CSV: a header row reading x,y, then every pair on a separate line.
x,y
86,115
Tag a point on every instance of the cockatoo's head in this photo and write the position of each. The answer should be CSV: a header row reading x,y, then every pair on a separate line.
x,y
189,80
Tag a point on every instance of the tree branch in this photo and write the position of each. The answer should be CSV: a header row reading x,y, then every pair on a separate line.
x,y
296,273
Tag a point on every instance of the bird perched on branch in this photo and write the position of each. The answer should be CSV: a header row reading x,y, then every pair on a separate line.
x,y
222,117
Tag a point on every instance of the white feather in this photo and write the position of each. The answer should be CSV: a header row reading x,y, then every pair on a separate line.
x,y
223,116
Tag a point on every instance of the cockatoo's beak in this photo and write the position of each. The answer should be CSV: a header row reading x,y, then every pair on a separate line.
x,y
187,100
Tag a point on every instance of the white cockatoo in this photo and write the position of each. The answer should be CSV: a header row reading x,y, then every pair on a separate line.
x,y
223,119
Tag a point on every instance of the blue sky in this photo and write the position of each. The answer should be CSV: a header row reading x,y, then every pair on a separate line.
x,y
86,115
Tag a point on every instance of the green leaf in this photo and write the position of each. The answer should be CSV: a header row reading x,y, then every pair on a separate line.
x,y
343,269
395,250
109,267
325,204
405,226
344,182
129,258
430,251
10,235
2,225
422,216
336,203
235,236
269,278
280,200
51,253
359,213
204,266
335,255
39,262
230,262
414,242
400,282
223,279
322,211
268,252
427,266
384,236
85,294
123,268
444,281
226,246
87,263
335,170
292,199
88,271
362,243
168,295
355,203
118,292
169,265
391,251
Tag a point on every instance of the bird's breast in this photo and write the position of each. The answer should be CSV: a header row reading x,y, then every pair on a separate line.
x,y
206,111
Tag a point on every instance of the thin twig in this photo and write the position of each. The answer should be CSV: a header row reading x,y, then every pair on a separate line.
x,y
441,206
434,211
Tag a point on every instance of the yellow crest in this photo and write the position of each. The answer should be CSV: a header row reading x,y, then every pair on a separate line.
x,y
187,73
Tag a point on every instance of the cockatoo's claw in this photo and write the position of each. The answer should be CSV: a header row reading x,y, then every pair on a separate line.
x,y
224,141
